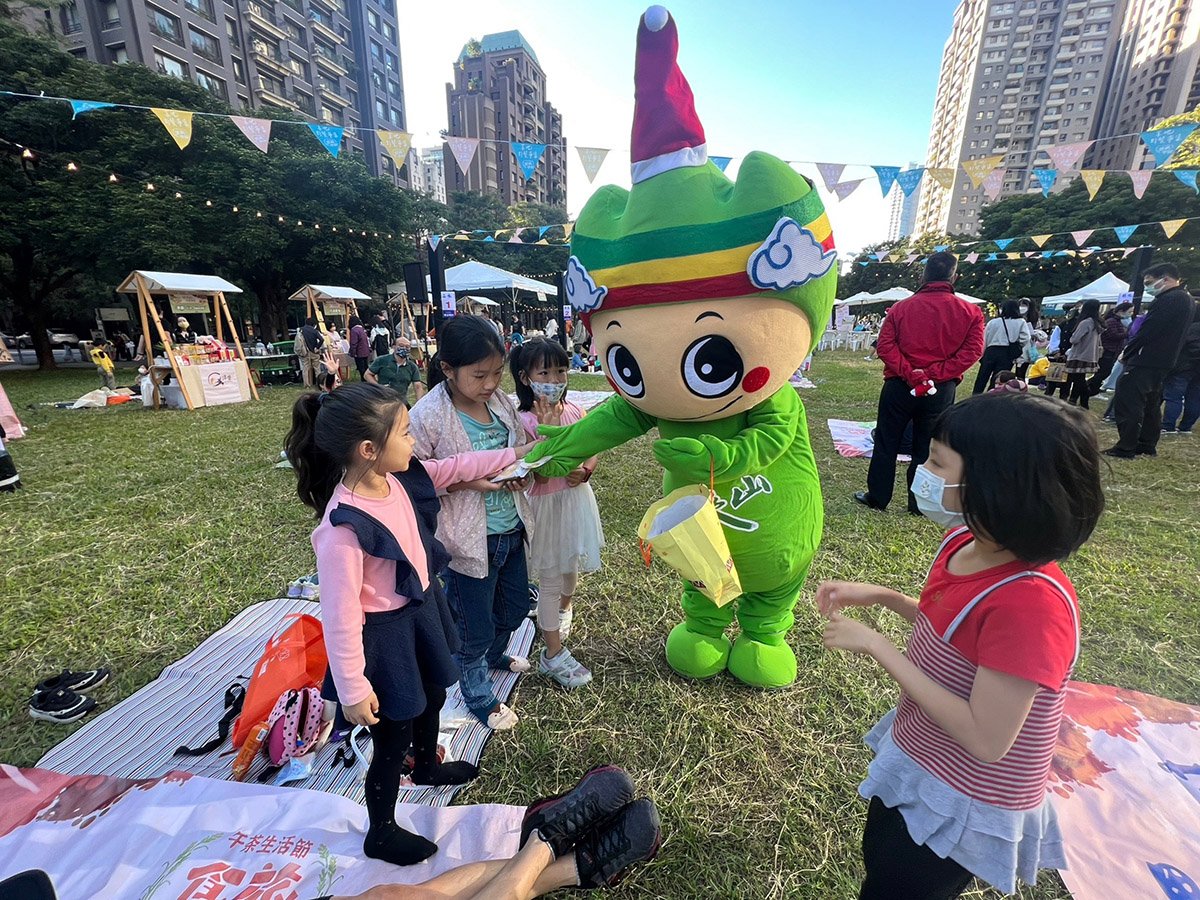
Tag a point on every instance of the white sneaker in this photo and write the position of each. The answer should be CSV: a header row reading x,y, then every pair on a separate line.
x,y
565,669
565,617
502,719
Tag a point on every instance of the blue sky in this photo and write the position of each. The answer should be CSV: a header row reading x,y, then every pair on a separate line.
x,y
849,81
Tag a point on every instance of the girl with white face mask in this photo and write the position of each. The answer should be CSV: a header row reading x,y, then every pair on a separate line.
x,y
957,787
567,535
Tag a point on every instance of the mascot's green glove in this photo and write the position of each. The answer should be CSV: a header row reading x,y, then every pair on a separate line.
x,y
608,425
693,459
555,445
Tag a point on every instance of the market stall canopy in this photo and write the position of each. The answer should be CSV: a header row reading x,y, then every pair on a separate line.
x,y
477,276
961,296
1108,288
325,292
894,293
482,301
854,299
169,282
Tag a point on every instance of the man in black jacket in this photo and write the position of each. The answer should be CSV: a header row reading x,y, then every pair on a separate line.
x,y
1181,390
1149,357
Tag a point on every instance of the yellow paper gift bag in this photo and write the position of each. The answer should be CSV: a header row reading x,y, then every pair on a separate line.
x,y
683,530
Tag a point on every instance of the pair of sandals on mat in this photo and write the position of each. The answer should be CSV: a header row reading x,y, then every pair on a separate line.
x,y
61,698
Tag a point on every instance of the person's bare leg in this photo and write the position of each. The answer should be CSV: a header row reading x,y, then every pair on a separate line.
x,y
529,874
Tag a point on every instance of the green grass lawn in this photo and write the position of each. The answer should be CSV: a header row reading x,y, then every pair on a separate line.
x,y
140,533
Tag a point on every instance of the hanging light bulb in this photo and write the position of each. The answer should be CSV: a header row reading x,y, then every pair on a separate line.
x,y
335,228
27,153
317,226
258,215
178,196
300,223
150,185
235,209
71,167
281,218
208,203
112,178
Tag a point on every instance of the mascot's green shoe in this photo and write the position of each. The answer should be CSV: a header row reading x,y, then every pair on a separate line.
x,y
698,655
762,665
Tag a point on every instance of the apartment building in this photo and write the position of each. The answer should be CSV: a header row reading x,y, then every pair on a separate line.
x,y
1017,76
499,96
333,61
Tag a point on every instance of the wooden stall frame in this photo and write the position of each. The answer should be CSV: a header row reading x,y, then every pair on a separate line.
x,y
312,308
147,309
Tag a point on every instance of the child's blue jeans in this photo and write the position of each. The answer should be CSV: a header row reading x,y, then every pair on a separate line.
x,y
488,610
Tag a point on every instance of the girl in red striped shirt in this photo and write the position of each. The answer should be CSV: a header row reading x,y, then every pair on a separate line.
x,y
957,787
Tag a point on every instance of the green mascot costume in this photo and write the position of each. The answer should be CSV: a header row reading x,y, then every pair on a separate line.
x,y
703,296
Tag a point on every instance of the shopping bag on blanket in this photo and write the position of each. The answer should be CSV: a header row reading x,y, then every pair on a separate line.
x,y
1057,372
293,659
683,530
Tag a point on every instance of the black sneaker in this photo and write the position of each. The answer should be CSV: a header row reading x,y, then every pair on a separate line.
x,y
534,595
1119,454
604,856
60,706
562,819
74,681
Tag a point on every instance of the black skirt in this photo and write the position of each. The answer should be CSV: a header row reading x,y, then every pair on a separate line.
x,y
405,649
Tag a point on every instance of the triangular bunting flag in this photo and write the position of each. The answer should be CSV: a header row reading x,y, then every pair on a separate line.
x,y
844,189
257,131
972,258
542,229
592,159
330,136
830,173
993,184
1013,255
944,177
1086,251
911,258
721,161
516,238
1187,176
1081,236
1003,243
1046,254
864,264
178,123
1170,226
463,149
1040,239
434,240
909,179
1140,178
938,248
1163,142
978,169
895,257
1067,156
397,144
887,177
528,156
1046,178
1125,253
991,257
1030,254
567,229
78,107
1093,178
489,238
880,255
1124,231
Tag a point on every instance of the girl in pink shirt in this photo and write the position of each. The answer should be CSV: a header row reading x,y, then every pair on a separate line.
x,y
567,535
387,627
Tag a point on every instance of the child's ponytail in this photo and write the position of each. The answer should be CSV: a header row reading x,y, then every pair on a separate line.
x,y
326,429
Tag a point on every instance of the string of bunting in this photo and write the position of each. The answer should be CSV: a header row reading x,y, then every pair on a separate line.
x,y
169,188
906,259
986,172
178,124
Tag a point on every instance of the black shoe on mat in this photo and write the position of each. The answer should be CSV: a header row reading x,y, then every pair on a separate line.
x,y
60,706
604,856
74,681
563,819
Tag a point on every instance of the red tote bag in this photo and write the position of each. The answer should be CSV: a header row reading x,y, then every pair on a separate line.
x,y
293,659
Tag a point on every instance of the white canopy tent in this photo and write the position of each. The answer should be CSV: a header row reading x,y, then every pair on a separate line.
x,y
477,276
854,299
1108,288
340,300
170,282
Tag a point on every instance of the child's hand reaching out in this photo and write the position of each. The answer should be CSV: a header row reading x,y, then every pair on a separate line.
x,y
365,712
833,595
847,634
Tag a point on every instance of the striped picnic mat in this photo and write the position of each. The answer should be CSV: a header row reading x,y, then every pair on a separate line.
x,y
137,737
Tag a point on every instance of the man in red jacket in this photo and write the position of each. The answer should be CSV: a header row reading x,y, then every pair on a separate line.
x,y
930,338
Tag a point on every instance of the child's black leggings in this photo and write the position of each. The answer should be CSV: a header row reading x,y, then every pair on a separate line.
x,y
391,740
898,868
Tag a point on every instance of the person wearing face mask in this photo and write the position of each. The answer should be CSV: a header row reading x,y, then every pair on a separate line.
x,y
1112,342
1149,357
397,371
568,536
957,786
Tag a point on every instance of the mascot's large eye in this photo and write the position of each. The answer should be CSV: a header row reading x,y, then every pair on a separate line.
x,y
624,370
712,367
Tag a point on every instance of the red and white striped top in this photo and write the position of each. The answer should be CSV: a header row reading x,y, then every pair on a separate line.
x,y
1018,780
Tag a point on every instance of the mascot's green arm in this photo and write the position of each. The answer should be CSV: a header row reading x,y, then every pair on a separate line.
x,y
770,430
608,425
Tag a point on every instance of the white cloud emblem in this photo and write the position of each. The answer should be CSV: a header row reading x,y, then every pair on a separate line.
x,y
789,257
582,292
